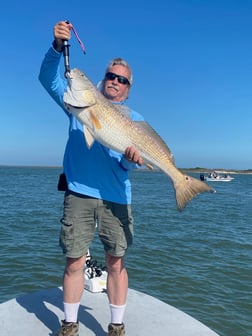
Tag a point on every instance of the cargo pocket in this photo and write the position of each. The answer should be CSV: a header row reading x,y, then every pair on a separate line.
x,y
128,230
66,236
126,222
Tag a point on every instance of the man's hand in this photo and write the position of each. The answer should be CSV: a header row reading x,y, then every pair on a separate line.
x,y
61,32
132,155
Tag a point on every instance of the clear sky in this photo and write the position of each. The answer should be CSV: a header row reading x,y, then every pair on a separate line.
x,y
192,67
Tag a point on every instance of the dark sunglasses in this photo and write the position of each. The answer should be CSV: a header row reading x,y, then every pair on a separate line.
x,y
121,79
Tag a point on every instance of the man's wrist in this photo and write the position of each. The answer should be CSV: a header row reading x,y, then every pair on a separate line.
x,y
57,46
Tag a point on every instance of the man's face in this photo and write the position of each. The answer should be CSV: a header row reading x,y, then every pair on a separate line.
x,y
117,89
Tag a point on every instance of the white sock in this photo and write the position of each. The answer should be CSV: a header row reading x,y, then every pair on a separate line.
x,y
117,313
71,311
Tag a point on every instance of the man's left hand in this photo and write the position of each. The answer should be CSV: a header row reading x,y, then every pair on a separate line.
x,y
133,155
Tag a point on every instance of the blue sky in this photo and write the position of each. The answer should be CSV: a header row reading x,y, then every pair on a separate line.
x,y
192,67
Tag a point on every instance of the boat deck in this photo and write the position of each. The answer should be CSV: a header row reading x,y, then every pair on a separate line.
x,y
40,314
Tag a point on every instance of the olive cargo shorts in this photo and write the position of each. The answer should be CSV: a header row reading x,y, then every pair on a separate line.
x,y
81,216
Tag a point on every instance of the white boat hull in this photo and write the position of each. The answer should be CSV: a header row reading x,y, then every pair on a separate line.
x,y
219,179
40,314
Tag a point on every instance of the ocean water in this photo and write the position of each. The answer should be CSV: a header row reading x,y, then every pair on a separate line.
x,y
199,261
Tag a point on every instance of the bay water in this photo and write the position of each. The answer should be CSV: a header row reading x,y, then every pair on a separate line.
x,y
199,260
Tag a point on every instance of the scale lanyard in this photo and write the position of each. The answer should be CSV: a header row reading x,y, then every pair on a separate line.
x,y
78,39
66,49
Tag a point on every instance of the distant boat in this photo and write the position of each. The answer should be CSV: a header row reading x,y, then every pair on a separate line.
x,y
215,177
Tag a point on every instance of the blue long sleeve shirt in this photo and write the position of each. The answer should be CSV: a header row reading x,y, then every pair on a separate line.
x,y
96,172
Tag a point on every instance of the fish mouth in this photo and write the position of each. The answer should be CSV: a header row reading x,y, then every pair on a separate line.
x,y
69,106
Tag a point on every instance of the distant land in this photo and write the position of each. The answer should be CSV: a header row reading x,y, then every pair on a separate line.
x,y
218,170
198,170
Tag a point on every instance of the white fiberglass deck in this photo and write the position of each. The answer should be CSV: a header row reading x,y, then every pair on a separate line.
x,y
40,313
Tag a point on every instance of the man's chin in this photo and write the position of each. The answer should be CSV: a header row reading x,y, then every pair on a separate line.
x,y
111,94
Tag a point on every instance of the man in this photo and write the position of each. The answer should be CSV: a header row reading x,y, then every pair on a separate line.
x,y
98,191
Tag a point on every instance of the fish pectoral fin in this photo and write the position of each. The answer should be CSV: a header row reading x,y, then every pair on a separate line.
x,y
95,121
88,137
149,166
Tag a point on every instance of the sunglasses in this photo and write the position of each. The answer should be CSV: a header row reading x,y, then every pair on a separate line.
x,y
121,79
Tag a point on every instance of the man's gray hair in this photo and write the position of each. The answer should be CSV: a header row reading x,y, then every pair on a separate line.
x,y
120,61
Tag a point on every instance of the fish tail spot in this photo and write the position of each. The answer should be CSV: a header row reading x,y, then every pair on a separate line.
x,y
189,188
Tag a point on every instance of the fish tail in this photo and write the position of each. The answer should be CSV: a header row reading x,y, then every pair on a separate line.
x,y
188,188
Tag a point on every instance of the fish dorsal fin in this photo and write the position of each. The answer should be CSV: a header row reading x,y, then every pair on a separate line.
x,y
94,120
152,132
88,137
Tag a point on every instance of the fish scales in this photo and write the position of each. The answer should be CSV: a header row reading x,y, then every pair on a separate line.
x,y
110,125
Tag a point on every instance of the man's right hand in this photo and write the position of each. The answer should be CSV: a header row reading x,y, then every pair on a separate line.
x,y
62,31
